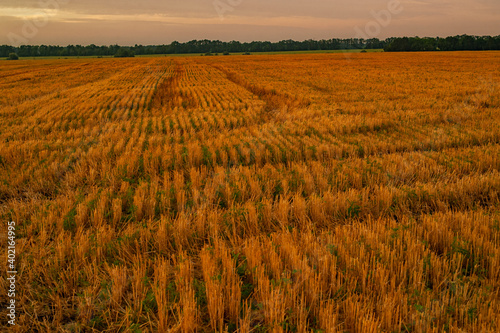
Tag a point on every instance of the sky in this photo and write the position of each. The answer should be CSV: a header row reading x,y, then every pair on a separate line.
x,y
129,22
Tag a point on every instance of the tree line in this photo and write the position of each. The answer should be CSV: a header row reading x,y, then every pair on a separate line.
x,y
194,46
463,42
452,43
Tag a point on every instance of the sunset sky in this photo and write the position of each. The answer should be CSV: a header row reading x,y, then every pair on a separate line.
x,y
129,22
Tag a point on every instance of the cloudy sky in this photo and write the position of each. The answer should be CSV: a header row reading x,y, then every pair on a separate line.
x,y
129,22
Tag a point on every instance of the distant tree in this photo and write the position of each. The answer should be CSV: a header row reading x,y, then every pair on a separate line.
x,y
374,43
225,53
124,53
13,56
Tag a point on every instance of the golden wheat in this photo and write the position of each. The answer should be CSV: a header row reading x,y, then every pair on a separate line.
x,y
285,193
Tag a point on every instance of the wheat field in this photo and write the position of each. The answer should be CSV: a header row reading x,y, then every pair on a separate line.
x,y
266,193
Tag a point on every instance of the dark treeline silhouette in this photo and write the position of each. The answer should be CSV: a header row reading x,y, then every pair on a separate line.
x,y
455,43
194,46
464,42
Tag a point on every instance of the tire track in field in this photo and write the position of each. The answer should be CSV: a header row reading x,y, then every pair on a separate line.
x,y
274,100
168,94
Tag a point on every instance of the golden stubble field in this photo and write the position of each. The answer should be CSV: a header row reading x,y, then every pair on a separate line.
x,y
294,193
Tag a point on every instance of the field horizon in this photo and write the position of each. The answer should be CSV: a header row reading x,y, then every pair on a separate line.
x,y
202,54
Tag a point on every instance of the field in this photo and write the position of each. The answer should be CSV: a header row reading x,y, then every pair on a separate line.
x,y
280,193
184,55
